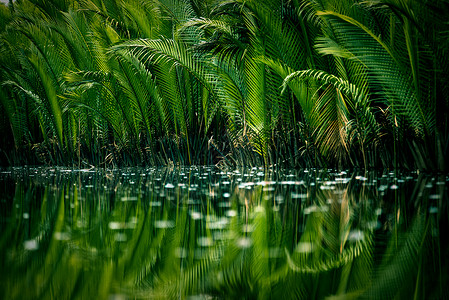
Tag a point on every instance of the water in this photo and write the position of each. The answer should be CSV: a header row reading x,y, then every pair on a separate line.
x,y
203,233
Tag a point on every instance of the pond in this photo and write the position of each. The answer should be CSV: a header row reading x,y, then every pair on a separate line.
x,y
207,233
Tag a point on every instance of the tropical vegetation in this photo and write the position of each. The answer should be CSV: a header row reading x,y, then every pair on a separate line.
x,y
344,83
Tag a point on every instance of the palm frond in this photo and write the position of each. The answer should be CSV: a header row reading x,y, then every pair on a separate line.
x,y
386,70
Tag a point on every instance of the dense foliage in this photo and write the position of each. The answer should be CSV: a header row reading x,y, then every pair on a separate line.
x,y
344,83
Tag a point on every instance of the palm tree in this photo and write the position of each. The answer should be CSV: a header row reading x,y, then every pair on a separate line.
x,y
399,58
274,82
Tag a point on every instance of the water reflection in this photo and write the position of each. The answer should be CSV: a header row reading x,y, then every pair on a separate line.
x,y
200,231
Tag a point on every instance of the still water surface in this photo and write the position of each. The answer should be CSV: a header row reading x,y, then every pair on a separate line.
x,y
206,233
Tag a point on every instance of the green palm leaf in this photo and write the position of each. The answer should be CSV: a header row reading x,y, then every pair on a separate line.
x,y
388,73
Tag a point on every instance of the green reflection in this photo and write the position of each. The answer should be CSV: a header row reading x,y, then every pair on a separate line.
x,y
209,233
